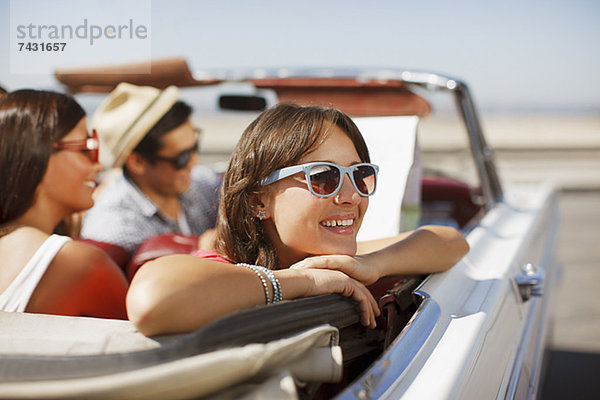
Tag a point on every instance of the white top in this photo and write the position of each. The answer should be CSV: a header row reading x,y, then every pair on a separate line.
x,y
17,294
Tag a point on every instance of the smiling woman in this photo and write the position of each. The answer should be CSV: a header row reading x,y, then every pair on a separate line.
x,y
48,163
294,195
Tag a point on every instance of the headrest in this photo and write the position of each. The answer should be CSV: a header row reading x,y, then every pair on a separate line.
x,y
392,145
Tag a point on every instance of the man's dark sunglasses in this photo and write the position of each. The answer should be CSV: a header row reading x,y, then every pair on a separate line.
x,y
181,160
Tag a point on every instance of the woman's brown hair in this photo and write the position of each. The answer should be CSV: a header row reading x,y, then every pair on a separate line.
x,y
30,122
278,138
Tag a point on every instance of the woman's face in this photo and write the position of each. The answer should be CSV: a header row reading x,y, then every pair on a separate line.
x,y
299,223
70,178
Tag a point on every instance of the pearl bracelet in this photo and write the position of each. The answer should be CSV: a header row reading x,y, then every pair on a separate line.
x,y
277,293
262,279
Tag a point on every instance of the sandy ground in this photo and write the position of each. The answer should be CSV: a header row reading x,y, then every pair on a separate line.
x,y
562,149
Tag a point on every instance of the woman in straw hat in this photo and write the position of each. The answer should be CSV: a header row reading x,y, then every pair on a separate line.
x,y
294,195
48,163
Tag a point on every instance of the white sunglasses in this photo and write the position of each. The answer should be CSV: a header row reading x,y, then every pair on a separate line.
x,y
324,179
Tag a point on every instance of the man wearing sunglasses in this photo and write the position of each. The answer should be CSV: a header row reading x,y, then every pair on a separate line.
x,y
148,134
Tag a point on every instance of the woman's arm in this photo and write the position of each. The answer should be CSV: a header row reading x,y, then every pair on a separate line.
x,y
369,246
181,293
82,280
426,250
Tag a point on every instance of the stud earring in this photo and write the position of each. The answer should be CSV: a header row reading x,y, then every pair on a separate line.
x,y
262,214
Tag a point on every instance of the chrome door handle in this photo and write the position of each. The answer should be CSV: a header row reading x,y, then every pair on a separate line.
x,y
530,282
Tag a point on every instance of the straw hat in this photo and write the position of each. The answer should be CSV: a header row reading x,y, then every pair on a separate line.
x,y
126,115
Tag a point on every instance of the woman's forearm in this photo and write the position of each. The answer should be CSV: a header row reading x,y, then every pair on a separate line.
x,y
370,246
426,250
182,293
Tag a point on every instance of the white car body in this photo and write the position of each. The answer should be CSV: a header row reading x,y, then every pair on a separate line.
x,y
475,337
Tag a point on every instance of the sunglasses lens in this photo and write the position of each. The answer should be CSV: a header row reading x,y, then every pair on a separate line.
x,y
182,160
364,177
324,179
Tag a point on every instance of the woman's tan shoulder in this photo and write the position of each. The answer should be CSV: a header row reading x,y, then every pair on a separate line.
x,y
79,263
24,235
82,255
18,246
76,247
81,280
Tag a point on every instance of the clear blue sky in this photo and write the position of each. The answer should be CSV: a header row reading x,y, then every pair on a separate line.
x,y
513,53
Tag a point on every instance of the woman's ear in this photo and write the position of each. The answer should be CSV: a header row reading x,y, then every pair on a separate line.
x,y
259,202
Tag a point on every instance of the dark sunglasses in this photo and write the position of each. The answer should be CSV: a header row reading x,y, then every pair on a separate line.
x,y
89,146
324,179
180,160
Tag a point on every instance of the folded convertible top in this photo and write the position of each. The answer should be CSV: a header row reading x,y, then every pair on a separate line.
x,y
257,325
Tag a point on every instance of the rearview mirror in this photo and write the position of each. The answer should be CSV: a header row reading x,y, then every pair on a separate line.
x,y
242,102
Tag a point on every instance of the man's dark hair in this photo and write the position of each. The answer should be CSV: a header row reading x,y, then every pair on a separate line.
x,y
152,142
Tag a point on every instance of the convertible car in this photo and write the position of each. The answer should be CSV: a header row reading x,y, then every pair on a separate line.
x,y
477,331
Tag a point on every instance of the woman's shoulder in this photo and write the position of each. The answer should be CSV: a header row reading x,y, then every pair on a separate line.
x,y
18,246
24,234
26,241
77,255
81,280
210,255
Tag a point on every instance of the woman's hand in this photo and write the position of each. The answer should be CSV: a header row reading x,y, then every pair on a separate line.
x,y
324,281
356,267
